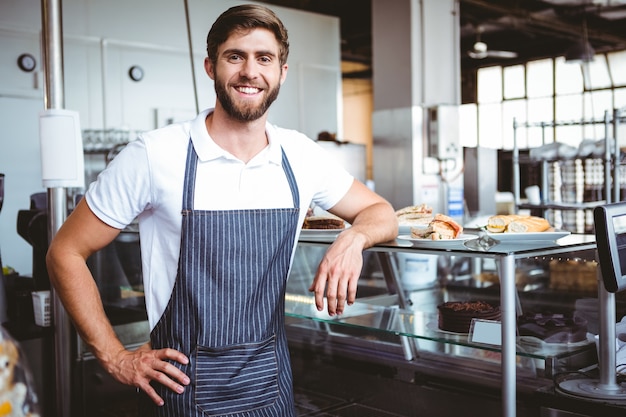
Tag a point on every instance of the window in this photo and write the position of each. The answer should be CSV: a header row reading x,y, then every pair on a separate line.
x,y
546,91
490,125
617,67
598,74
539,78
569,77
514,85
490,85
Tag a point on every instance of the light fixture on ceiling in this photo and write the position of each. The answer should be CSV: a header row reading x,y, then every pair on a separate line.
x,y
581,51
481,51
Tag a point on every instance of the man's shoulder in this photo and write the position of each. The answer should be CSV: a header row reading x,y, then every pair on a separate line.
x,y
290,139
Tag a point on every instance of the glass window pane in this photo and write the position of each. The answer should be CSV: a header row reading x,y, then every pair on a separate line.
x,y
594,109
539,78
489,82
513,109
569,107
617,66
468,126
597,103
619,97
598,73
569,77
490,125
540,110
514,86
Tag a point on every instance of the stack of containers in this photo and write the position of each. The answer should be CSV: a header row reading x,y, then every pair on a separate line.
x,y
572,188
555,182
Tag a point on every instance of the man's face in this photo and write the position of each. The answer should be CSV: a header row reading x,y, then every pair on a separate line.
x,y
247,74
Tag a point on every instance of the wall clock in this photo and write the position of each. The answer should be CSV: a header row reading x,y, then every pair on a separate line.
x,y
26,62
135,73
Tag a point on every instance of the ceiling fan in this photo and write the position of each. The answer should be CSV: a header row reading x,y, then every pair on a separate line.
x,y
481,51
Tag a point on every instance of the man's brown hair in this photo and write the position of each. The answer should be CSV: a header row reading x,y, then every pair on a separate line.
x,y
242,19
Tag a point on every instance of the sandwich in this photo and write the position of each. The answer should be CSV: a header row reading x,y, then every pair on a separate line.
x,y
513,223
441,227
420,214
323,222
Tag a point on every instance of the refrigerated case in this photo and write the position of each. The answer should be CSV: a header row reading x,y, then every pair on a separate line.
x,y
396,328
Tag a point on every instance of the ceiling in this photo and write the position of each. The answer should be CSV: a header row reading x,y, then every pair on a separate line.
x,y
532,29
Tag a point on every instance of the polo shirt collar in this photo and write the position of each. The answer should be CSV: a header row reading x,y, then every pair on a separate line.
x,y
207,149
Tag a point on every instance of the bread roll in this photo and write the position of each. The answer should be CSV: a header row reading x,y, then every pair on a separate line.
x,y
528,224
499,223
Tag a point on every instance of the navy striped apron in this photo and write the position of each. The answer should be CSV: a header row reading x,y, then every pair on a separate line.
x,y
226,312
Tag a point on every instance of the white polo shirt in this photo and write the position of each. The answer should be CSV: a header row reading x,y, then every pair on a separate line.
x,y
145,181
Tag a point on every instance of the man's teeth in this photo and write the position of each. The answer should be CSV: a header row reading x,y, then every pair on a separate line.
x,y
248,90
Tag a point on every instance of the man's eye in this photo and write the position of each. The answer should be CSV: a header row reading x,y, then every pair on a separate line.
x,y
234,58
265,60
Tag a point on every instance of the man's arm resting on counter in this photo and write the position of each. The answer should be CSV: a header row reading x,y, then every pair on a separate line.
x,y
373,221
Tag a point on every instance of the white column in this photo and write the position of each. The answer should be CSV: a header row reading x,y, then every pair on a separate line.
x,y
416,65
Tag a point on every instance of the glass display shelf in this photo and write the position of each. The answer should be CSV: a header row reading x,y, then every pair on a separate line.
x,y
424,326
417,326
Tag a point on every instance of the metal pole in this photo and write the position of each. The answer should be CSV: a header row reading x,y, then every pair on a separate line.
x,y
607,157
509,327
516,169
52,34
606,345
191,59
616,157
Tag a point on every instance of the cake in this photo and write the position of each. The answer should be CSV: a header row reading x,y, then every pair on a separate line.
x,y
457,316
553,327
574,275
323,222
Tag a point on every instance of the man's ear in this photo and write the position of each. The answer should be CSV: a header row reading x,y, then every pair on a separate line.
x,y
283,75
208,67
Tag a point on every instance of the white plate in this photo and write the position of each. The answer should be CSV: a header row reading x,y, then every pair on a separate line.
x,y
323,233
434,326
430,242
522,236
405,229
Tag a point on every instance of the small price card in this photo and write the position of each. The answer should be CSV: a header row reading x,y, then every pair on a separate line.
x,y
488,332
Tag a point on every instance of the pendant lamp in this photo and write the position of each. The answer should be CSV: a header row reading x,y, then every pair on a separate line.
x,y
581,51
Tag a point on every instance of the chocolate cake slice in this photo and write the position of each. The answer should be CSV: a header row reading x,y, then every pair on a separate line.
x,y
457,316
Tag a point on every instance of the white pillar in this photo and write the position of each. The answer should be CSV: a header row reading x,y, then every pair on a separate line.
x,y
416,65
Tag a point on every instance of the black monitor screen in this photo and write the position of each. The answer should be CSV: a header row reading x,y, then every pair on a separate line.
x,y
610,227
619,226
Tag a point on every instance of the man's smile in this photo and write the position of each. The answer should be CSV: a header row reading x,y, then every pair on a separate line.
x,y
248,90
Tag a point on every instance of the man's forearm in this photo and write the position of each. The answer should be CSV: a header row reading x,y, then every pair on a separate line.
x,y
79,294
378,224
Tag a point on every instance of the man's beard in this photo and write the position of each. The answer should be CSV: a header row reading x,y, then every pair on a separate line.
x,y
244,112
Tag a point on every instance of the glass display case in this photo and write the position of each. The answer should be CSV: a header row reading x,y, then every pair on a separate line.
x,y
395,318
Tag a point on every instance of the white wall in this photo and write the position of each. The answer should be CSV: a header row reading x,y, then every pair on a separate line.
x,y
102,40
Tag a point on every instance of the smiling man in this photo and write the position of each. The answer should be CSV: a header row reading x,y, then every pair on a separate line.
x,y
220,200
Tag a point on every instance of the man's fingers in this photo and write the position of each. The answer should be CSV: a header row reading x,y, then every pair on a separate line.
x,y
151,393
